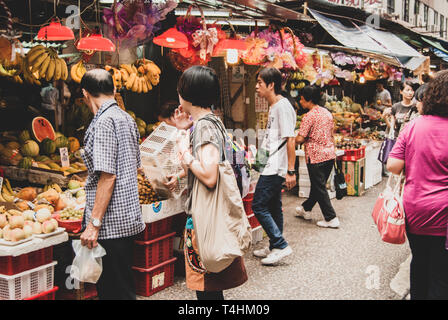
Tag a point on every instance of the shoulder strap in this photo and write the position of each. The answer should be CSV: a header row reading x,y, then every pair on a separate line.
x,y
221,129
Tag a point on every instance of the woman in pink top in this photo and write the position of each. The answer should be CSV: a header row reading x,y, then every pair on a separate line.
x,y
316,132
422,150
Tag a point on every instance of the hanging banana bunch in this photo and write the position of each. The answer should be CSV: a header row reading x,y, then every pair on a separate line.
x,y
77,71
44,63
116,76
140,77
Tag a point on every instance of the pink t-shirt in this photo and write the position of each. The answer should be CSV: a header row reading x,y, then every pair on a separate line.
x,y
423,145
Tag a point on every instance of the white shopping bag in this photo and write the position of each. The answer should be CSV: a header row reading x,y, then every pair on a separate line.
x,y
87,265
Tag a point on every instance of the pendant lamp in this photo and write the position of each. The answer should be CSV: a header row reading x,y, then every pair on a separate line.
x,y
95,42
172,38
55,32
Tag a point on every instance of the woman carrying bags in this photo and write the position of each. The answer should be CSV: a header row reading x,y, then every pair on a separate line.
x,y
422,150
316,132
198,90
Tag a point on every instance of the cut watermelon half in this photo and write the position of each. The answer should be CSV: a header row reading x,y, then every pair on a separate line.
x,y
42,129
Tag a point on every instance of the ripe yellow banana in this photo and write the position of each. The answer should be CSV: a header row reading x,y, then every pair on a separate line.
x,y
131,80
134,69
56,187
44,66
51,70
1,198
124,74
35,65
128,68
64,75
8,186
57,69
34,53
7,197
145,85
80,70
148,82
135,84
74,73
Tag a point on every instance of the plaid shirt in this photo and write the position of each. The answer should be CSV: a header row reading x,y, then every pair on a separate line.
x,y
111,146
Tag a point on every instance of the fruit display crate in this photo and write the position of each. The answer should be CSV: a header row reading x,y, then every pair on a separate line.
x,y
155,279
10,265
28,283
47,295
150,253
40,176
156,229
354,154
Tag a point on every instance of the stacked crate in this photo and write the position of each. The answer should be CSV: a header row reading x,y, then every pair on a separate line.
x,y
153,258
305,182
353,167
29,276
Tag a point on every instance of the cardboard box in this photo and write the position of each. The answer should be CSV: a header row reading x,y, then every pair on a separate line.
x,y
163,209
355,176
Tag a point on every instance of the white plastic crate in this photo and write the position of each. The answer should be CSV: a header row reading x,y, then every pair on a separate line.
x,y
28,283
257,234
159,156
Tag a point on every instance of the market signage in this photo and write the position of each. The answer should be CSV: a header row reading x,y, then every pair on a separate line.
x,y
357,3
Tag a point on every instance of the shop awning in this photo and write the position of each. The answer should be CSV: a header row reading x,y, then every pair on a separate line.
x,y
367,39
435,44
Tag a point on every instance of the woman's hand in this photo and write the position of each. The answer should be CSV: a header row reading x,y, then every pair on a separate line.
x,y
182,119
172,183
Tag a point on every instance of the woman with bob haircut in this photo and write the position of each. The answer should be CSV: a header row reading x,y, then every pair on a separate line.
x,y
199,90
422,151
316,132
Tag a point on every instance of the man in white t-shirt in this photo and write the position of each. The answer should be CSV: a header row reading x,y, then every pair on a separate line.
x,y
280,167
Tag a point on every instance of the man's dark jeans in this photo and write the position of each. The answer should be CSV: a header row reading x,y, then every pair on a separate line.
x,y
267,207
319,173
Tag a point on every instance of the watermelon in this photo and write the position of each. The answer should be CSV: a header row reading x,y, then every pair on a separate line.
x,y
30,149
61,142
48,146
26,163
42,129
24,136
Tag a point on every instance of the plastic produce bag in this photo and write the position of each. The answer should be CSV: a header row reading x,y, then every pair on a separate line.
x,y
87,265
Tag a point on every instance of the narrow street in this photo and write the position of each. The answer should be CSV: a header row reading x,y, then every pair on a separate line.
x,y
349,263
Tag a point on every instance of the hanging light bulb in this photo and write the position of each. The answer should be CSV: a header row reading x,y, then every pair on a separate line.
x,y
232,56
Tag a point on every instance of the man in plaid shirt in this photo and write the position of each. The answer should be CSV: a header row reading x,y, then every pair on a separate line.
x,y
112,215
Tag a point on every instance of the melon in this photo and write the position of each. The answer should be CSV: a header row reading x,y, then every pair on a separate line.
x,y
26,163
132,114
61,142
140,122
48,146
42,129
58,134
73,144
30,149
24,136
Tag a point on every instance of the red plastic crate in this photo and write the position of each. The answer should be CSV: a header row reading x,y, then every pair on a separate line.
x,y
10,265
86,291
47,295
155,279
156,229
354,155
153,252
253,221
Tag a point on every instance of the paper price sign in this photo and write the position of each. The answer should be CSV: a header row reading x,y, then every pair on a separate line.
x,y
1,182
65,161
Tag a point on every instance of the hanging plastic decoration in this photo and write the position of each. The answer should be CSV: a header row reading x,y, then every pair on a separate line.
x,y
135,21
256,50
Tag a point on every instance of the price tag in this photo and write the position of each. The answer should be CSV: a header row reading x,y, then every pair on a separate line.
x,y
158,280
1,182
65,161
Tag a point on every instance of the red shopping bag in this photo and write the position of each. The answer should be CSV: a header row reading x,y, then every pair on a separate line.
x,y
388,214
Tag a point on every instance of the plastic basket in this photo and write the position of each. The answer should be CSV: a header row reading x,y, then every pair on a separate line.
x,y
354,154
155,229
253,221
155,279
28,283
150,253
47,295
10,265
257,234
159,150
86,291
73,226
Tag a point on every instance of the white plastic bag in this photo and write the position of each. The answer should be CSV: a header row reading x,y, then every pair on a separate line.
x,y
87,265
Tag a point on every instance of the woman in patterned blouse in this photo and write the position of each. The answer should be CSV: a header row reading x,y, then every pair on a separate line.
x,y
316,132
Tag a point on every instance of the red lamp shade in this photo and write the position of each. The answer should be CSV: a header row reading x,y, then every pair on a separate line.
x,y
95,42
229,44
172,38
55,32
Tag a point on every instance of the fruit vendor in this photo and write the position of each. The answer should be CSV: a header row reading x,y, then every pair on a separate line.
x,y
112,214
383,97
